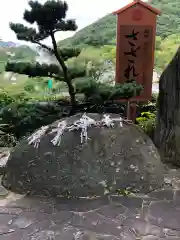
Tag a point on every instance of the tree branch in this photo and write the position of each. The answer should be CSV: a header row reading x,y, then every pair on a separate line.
x,y
58,57
65,71
43,46
61,79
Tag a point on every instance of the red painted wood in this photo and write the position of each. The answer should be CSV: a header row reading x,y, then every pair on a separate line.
x,y
139,20
145,5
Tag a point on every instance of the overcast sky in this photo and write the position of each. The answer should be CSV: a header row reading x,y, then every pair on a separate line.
x,y
84,11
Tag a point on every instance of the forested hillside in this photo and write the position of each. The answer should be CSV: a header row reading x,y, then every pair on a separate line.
x,y
24,53
103,31
169,21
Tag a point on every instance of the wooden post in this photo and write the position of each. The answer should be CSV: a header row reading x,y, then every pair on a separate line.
x,y
131,111
128,113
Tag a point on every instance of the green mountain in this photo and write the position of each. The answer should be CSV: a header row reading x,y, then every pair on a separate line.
x,y
103,31
100,32
18,53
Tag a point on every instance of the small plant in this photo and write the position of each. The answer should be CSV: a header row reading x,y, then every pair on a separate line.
x,y
6,140
146,121
5,99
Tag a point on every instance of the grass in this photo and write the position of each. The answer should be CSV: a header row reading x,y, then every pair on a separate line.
x,y
10,87
40,91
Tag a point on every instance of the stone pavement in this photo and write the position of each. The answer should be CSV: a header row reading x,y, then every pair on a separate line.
x,y
153,217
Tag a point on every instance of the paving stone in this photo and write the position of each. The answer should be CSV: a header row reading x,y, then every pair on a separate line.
x,y
110,237
68,232
127,235
13,236
112,211
144,211
149,199
165,214
71,233
150,238
10,211
177,195
170,238
6,218
43,235
81,205
61,217
131,202
27,219
92,221
35,228
172,233
143,228
46,205
164,194
22,222
4,229
99,219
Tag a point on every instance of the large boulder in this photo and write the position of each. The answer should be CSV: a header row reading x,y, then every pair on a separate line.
x,y
114,155
167,133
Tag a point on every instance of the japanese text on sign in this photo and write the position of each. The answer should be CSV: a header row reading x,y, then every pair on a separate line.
x,y
130,71
136,56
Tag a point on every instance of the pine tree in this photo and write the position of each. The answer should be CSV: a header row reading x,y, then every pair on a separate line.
x,y
50,18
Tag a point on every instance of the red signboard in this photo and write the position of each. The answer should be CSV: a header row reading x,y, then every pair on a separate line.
x,y
137,15
136,31
135,55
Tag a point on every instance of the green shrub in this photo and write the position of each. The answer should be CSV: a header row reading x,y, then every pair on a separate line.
x,y
150,106
5,99
154,97
23,113
147,122
24,118
100,92
8,140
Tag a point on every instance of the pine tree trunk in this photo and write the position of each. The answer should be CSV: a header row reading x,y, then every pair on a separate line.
x,y
167,133
72,97
66,78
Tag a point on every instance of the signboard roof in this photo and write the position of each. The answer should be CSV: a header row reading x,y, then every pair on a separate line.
x,y
145,5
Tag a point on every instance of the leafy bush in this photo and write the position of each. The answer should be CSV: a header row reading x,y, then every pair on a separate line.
x,y
6,140
154,97
98,92
25,112
24,118
5,99
147,123
150,106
